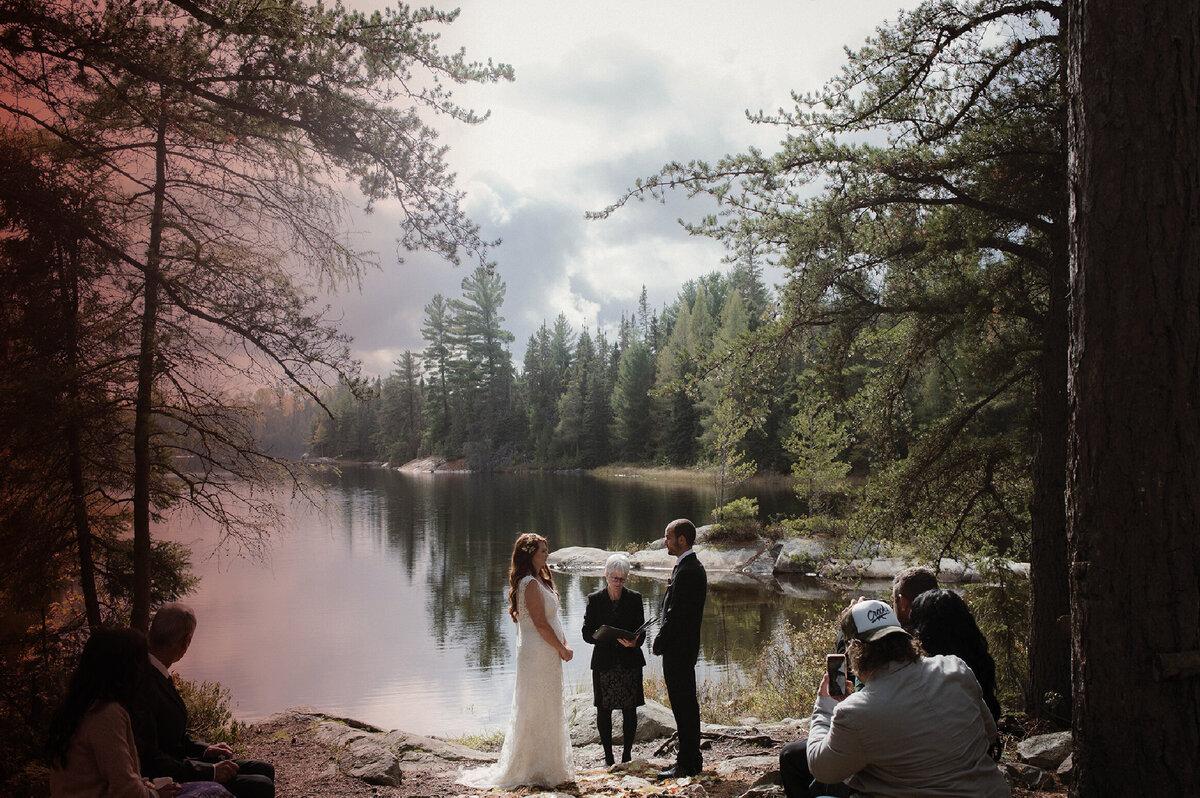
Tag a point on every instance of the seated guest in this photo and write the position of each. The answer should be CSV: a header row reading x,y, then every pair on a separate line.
x,y
918,727
906,586
91,747
943,624
793,759
616,663
161,720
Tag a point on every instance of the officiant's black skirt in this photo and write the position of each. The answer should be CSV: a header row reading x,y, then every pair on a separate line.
x,y
618,688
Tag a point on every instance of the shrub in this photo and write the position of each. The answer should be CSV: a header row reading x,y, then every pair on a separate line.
x,y
1001,608
735,522
784,677
780,682
208,712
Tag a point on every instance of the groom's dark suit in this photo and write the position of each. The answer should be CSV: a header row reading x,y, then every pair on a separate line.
x,y
678,642
160,722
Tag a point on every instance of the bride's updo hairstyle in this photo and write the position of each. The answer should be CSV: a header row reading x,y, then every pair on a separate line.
x,y
522,566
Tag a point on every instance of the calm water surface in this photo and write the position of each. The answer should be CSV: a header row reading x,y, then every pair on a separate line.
x,y
390,606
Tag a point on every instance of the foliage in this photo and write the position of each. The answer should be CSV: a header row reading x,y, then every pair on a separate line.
x,y
811,526
919,205
727,462
219,135
1000,603
208,712
735,522
818,439
38,651
735,511
780,682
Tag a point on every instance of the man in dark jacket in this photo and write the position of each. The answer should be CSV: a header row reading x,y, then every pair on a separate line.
x,y
160,719
678,642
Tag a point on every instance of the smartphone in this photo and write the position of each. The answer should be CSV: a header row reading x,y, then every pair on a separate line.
x,y
835,664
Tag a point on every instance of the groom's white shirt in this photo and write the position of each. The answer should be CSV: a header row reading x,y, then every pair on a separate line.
x,y
679,559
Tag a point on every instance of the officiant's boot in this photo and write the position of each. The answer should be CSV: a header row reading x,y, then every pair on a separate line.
x,y
627,753
608,756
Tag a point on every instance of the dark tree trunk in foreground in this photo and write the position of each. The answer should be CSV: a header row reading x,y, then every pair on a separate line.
x,y
1133,504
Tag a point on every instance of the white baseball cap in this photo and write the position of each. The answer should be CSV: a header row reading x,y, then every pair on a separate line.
x,y
873,620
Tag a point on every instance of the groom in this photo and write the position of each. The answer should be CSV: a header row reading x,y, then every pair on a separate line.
x,y
678,642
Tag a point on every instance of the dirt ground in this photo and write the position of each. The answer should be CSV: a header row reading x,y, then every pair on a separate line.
x,y
306,768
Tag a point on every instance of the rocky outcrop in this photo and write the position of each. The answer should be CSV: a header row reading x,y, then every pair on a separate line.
x,y
790,558
378,757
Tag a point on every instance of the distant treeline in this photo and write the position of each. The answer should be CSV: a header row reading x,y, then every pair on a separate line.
x,y
649,394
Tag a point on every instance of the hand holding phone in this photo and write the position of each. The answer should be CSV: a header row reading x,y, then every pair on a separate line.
x,y
835,665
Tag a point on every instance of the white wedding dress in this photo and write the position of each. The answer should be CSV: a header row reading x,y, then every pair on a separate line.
x,y
537,748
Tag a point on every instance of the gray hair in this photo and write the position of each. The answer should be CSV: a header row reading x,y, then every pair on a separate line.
x,y
617,565
172,624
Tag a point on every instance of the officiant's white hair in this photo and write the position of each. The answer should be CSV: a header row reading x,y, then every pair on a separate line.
x,y
617,565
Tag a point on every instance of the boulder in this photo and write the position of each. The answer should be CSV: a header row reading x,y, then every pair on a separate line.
x,y
579,558
1066,771
1028,776
1045,750
362,754
654,721
654,559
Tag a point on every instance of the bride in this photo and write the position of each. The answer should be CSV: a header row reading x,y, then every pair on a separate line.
x,y
537,749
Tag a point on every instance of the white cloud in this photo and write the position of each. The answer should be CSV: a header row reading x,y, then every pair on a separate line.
x,y
604,93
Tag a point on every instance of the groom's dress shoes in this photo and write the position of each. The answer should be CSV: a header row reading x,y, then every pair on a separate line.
x,y
677,772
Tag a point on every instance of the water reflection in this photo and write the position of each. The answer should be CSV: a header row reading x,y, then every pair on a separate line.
x,y
392,607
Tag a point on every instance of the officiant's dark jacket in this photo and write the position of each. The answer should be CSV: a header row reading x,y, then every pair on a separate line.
x,y
160,728
627,614
683,609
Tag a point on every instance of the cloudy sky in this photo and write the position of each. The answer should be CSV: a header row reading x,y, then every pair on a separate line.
x,y
605,92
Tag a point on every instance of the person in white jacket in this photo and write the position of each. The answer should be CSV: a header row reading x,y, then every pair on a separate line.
x,y
918,727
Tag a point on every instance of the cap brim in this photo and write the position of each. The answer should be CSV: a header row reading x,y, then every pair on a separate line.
x,y
872,635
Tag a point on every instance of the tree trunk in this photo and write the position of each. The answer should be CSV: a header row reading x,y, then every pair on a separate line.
x,y
1133,502
144,405
79,510
1049,592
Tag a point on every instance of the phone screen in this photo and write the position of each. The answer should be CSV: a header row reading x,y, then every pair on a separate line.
x,y
835,664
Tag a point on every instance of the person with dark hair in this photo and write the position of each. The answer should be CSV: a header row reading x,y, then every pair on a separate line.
x,y
537,746
943,624
90,744
907,585
678,643
917,728
160,719
617,662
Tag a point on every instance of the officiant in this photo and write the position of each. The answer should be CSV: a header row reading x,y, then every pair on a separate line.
x,y
617,660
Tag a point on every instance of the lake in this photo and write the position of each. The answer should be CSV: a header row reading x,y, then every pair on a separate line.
x,y
390,605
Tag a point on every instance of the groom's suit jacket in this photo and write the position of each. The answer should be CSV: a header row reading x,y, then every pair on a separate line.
x,y
160,722
683,609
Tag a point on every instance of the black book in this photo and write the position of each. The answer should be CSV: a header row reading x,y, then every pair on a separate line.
x,y
606,632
